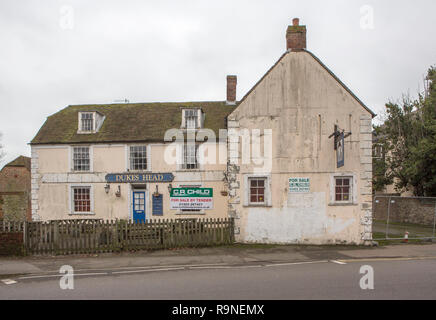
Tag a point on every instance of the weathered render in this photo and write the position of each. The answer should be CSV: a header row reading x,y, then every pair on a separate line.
x,y
301,101
282,129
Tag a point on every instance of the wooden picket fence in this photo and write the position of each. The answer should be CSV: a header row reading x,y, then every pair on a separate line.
x,y
11,226
98,236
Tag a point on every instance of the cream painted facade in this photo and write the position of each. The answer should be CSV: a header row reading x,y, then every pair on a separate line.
x,y
53,180
301,101
280,130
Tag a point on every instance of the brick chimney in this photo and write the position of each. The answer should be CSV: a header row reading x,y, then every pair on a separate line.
x,y
296,36
231,90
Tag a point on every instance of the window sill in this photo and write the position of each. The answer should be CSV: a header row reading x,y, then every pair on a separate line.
x,y
81,214
200,213
257,205
341,204
189,170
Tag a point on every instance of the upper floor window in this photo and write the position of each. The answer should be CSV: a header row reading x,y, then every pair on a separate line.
x,y
90,121
86,121
190,152
81,159
138,158
191,119
377,151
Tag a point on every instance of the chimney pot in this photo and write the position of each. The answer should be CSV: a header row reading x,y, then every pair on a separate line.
x,y
231,89
296,36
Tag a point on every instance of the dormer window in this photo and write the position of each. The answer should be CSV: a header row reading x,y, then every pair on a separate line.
x,y
90,122
192,118
87,121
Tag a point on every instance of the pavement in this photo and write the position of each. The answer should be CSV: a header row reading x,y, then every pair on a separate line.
x,y
235,255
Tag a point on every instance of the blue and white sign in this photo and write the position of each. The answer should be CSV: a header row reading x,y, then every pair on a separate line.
x,y
340,151
139,177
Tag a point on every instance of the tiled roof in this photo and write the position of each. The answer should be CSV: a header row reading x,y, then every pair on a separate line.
x,y
21,161
131,122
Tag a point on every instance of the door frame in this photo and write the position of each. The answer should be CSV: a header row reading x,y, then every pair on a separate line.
x,y
141,187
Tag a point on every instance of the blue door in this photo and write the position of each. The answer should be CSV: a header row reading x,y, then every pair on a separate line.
x,y
138,206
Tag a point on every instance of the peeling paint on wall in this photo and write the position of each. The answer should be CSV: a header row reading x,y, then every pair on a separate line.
x,y
304,219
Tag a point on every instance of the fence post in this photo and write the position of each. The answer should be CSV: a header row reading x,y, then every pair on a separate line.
x,y
25,237
56,236
232,230
387,221
434,220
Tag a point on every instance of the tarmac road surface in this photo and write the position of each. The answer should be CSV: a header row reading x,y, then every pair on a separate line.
x,y
325,279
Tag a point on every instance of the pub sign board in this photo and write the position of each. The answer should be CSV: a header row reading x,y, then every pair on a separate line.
x,y
191,198
340,151
157,204
139,177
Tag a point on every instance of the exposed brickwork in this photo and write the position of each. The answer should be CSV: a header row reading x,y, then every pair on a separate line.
x,y
231,89
296,36
11,243
15,186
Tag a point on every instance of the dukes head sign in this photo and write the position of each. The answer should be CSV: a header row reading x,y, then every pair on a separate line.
x,y
139,177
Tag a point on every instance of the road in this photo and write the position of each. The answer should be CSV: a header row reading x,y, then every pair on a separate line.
x,y
393,279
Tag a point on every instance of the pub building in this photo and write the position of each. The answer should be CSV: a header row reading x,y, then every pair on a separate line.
x,y
138,161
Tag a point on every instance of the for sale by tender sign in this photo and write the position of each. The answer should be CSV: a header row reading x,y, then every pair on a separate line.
x,y
191,198
299,185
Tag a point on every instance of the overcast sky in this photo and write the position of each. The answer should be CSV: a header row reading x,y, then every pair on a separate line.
x,y
57,53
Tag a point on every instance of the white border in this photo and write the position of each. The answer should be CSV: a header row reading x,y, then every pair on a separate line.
x,y
70,197
268,195
353,200
91,158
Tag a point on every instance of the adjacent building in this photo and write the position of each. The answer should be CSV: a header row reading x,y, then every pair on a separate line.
x,y
15,190
291,161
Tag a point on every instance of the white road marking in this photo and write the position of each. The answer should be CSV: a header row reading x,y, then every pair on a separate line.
x,y
211,267
337,261
390,259
294,263
147,270
135,268
9,281
60,275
